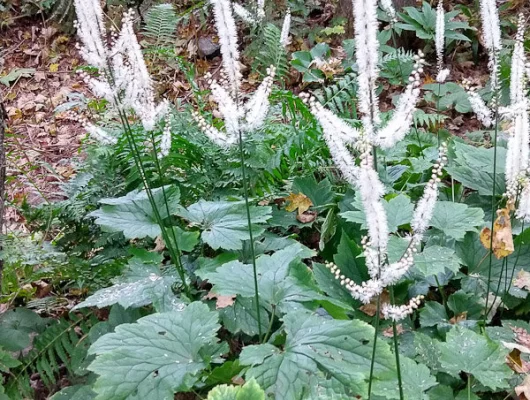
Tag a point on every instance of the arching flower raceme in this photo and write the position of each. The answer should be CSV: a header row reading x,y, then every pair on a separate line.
x,y
123,77
491,31
442,73
343,140
239,117
284,36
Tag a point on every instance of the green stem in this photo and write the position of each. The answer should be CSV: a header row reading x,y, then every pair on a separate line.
x,y
177,252
492,203
266,337
372,362
251,236
469,377
138,162
396,348
442,293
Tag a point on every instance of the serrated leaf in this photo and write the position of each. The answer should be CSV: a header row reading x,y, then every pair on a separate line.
x,y
434,260
399,212
17,325
157,356
433,314
320,193
277,285
249,391
315,345
467,351
242,316
133,215
416,380
455,219
224,224
76,392
139,285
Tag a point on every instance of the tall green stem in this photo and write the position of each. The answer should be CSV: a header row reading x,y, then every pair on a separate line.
x,y
175,257
250,234
493,203
372,362
396,348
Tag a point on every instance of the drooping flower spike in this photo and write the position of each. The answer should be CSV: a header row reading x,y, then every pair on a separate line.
x,y
442,73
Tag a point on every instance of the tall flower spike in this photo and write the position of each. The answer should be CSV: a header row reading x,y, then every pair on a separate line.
x,y
226,30
258,105
517,74
480,108
165,140
523,211
260,5
440,43
491,31
367,57
399,124
244,14
284,37
91,31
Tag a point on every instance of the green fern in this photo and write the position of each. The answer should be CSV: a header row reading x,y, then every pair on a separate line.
x,y
421,118
160,25
62,345
272,52
397,66
340,97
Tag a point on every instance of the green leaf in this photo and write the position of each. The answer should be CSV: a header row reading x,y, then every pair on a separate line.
x,y
316,345
469,352
460,302
433,314
133,215
15,74
249,391
157,356
427,350
224,224
7,361
399,212
139,285
434,260
416,380
277,284
319,193
455,219
17,325
242,316
76,392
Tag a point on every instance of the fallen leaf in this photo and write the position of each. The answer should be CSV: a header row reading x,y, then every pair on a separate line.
x,y
371,308
54,67
458,318
389,332
524,388
502,235
307,217
222,301
522,280
298,201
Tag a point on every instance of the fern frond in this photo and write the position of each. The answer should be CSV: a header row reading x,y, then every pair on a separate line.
x,y
340,97
61,345
272,52
421,118
161,24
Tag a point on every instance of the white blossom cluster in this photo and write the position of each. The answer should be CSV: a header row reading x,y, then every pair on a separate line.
x,y
239,117
388,7
443,73
252,17
397,313
123,77
517,169
342,139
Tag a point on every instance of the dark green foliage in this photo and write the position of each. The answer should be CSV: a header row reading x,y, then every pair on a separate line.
x,y
271,52
341,96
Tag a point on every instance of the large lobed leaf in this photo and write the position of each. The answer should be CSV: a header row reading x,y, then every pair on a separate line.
x,y
139,285
314,346
156,356
133,215
224,224
467,351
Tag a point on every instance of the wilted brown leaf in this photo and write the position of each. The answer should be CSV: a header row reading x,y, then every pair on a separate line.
x,y
222,301
370,309
502,235
307,217
389,332
524,388
298,201
522,280
458,318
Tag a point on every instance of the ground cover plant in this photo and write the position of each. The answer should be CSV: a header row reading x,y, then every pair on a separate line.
x,y
274,200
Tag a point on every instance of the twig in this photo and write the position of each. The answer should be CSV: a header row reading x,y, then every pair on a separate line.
x,y
3,127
